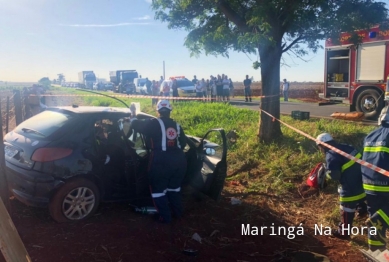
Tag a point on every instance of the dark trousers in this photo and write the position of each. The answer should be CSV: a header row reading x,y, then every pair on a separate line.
x,y
175,94
247,93
285,95
378,209
347,212
167,170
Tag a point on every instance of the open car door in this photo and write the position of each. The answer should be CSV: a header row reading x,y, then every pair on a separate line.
x,y
212,163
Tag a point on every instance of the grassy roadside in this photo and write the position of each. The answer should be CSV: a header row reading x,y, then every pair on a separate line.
x,y
258,169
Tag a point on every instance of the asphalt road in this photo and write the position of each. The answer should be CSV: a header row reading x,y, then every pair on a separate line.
x,y
287,107
315,111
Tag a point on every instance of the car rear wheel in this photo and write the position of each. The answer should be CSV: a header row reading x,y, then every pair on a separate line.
x,y
76,200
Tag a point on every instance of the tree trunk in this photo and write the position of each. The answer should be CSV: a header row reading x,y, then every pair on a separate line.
x,y
270,56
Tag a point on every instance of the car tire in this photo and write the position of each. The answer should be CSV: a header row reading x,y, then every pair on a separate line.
x,y
76,200
374,96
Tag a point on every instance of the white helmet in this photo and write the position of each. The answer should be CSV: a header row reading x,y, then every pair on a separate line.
x,y
164,105
324,137
384,117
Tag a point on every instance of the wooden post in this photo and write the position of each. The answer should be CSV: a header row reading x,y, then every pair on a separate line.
x,y
11,244
18,107
4,192
7,117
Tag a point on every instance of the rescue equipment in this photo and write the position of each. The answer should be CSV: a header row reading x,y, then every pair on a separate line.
x,y
354,116
316,177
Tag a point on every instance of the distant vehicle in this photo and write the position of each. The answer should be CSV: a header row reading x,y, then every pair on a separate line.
x,y
123,80
356,74
99,86
185,86
109,86
140,86
86,79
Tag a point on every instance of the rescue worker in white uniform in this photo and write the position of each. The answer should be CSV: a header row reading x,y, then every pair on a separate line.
x,y
167,165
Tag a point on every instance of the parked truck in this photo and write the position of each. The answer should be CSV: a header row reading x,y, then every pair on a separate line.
x,y
356,74
123,80
86,79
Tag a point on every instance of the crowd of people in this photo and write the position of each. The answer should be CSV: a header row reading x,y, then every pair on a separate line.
x,y
215,89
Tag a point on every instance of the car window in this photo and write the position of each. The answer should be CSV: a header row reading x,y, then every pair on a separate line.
x,y
214,140
103,127
138,144
44,124
183,83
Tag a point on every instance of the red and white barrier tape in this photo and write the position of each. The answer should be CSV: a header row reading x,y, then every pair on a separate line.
x,y
362,162
144,96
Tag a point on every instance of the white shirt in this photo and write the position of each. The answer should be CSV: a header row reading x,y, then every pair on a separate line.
x,y
285,86
199,87
226,84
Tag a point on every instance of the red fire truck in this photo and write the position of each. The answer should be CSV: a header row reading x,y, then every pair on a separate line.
x,y
356,74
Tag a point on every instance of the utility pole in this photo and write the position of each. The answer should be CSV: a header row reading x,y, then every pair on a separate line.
x,y
164,70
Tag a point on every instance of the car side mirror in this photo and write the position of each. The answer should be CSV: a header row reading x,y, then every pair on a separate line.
x,y
210,151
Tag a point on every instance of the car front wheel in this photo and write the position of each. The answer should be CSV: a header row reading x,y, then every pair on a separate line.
x,y
76,200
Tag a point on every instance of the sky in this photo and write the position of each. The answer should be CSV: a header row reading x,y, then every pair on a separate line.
x,y
43,38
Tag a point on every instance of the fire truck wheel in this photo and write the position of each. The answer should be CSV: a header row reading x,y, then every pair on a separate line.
x,y
369,103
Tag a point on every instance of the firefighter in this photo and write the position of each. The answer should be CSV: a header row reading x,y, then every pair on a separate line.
x,y
167,165
348,173
376,185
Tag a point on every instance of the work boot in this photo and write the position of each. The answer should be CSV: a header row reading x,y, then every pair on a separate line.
x,y
158,218
246,100
336,233
250,100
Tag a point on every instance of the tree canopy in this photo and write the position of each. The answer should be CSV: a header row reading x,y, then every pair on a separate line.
x,y
61,78
45,81
268,28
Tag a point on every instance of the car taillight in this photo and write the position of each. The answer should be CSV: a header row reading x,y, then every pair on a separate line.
x,y
50,154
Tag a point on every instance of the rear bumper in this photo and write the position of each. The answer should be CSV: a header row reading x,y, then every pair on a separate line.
x,y
334,99
30,187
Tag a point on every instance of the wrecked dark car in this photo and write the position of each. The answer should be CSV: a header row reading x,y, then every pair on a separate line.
x,y
69,159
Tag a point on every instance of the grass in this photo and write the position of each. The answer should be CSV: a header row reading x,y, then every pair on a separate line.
x,y
275,168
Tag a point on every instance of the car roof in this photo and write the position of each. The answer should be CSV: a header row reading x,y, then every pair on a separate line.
x,y
90,109
99,109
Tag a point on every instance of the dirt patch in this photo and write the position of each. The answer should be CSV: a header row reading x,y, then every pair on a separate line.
x,y
117,233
